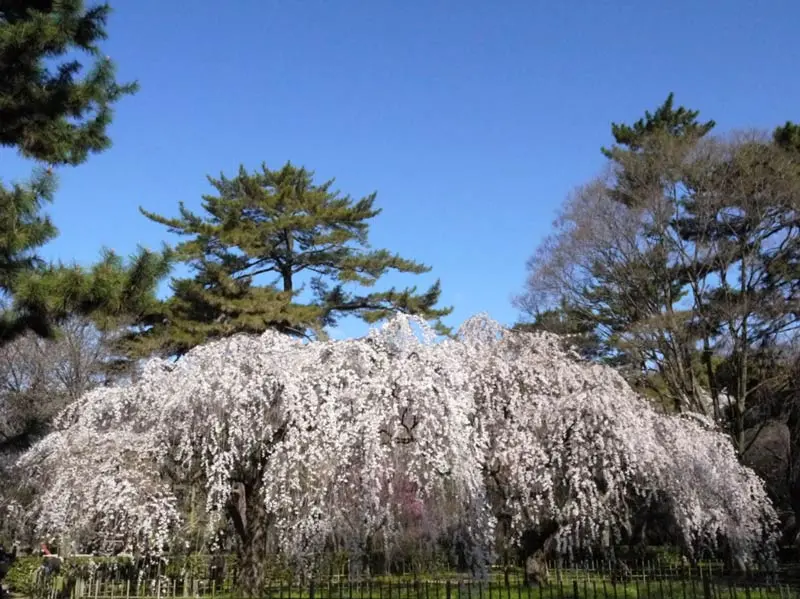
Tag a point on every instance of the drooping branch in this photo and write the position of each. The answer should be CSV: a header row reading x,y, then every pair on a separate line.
x,y
294,439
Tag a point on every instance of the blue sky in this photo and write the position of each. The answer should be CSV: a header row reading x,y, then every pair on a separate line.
x,y
472,120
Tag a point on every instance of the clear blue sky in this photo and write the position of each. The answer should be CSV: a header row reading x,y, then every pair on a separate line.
x,y
472,120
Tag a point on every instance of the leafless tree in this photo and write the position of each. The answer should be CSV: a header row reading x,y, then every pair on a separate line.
x,y
683,253
39,377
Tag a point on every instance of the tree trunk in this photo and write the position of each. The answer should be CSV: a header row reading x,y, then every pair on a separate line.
x,y
250,520
252,569
536,571
535,545
792,470
741,400
286,271
708,356
287,280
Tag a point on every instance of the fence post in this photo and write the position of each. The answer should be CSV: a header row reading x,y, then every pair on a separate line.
x,y
575,588
311,590
447,589
706,585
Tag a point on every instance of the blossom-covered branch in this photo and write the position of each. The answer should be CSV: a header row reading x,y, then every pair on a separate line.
x,y
299,443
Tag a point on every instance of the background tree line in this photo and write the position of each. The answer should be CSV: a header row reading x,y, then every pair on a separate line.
x,y
679,264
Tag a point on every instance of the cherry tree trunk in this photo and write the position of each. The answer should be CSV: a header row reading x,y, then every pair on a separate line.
x,y
252,570
535,546
251,522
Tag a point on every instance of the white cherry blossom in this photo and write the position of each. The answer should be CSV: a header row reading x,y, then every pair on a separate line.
x,y
300,443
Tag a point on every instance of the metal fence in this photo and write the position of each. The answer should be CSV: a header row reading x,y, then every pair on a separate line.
x,y
600,582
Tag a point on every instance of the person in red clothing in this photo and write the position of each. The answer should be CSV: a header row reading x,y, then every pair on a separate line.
x,y
51,563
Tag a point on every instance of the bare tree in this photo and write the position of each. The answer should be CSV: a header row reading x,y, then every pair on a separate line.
x,y
617,263
39,377
685,255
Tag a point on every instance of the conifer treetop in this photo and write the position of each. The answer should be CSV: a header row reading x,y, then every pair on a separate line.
x,y
680,122
264,238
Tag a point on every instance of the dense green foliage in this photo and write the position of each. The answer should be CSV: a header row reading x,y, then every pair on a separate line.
x,y
677,122
53,114
58,114
21,577
263,237
23,229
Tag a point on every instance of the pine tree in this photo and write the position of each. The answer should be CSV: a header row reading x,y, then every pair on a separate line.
x,y
279,224
677,122
787,136
58,115
23,229
52,114
643,291
630,287
112,293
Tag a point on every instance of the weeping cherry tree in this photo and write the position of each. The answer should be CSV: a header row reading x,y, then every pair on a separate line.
x,y
298,443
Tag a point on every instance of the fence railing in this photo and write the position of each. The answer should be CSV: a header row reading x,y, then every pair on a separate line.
x,y
597,583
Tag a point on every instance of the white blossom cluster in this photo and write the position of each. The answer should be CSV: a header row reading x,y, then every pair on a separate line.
x,y
328,439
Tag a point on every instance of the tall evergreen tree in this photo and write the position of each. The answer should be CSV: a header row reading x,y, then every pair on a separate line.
x,y
52,114
631,287
642,292
679,122
54,111
305,236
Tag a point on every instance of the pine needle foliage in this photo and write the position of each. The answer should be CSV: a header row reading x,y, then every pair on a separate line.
x,y
57,93
273,249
